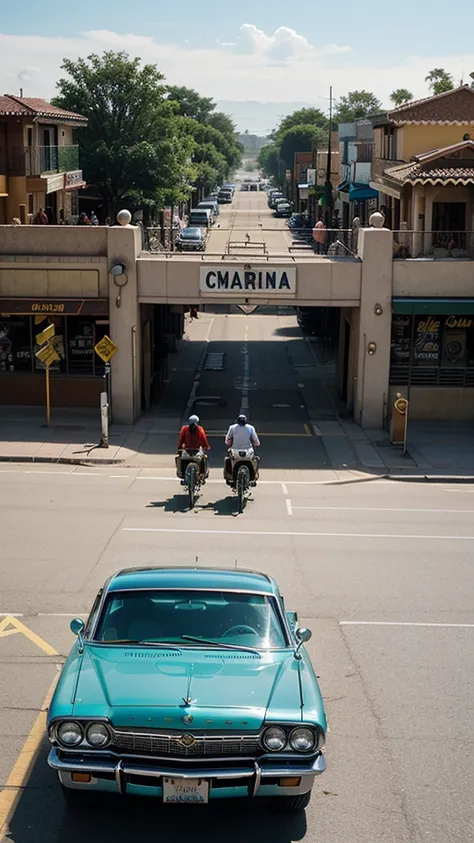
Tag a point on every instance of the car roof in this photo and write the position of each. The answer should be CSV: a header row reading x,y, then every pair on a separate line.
x,y
192,229
225,579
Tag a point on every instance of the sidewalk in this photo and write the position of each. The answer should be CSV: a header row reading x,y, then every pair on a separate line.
x,y
436,450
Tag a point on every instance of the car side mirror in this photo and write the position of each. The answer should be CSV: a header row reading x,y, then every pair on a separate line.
x,y
77,628
302,636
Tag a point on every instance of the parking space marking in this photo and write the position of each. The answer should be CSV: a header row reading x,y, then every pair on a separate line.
x,y
289,507
384,509
295,533
408,623
10,625
23,765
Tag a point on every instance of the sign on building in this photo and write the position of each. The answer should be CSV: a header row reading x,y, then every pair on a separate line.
x,y
311,177
234,280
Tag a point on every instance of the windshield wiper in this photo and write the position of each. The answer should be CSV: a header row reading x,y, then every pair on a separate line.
x,y
219,644
162,644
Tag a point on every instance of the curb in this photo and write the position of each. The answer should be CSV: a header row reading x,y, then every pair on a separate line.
x,y
63,460
431,478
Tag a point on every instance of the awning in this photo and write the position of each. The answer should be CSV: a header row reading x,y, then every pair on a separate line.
x,y
361,192
388,191
343,187
433,307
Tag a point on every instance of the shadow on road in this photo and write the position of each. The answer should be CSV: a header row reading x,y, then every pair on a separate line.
x,y
178,503
42,817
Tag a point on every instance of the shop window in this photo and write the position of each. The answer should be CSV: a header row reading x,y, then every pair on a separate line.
x,y
432,351
80,343
15,345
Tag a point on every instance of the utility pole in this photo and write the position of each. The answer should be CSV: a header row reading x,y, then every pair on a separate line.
x,y
328,185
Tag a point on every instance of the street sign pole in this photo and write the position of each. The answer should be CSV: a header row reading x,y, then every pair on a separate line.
x,y
105,349
48,399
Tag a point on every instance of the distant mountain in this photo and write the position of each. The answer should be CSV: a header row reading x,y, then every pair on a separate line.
x,y
258,118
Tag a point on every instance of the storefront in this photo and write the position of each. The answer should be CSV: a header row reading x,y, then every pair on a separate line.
x,y
77,377
432,356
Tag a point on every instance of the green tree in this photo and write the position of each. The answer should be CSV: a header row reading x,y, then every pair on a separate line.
x,y
268,161
190,103
356,105
439,80
132,148
296,139
303,116
400,96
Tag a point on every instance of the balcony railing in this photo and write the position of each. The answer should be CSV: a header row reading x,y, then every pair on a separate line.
x,y
433,245
39,160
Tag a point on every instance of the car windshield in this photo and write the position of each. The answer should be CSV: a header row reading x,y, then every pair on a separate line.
x,y
162,616
191,233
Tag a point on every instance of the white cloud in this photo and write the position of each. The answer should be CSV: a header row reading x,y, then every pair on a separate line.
x,y
279,67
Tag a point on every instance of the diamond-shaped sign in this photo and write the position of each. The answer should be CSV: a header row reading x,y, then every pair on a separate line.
x,y
47,355
45,335
247,308
106,349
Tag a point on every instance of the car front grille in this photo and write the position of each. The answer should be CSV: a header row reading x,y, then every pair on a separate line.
x,y
207,746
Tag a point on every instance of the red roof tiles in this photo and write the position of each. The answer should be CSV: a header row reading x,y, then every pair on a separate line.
x,y
451,107
34,107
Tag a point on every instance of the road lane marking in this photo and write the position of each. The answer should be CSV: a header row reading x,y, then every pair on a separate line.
x,y
296,533
23,766
383,509
19,627
288,507
284,488
11,614
408,623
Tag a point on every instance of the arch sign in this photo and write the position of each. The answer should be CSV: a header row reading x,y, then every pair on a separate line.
x,y
267,281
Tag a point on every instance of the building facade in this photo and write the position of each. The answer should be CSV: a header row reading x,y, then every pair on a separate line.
x,y
39,161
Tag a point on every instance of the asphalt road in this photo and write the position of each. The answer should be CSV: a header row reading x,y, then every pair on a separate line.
x,y
249,215
381,572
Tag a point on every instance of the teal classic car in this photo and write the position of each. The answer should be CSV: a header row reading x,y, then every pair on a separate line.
x,y
188,685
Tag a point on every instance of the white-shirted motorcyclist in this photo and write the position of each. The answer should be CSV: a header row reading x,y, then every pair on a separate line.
x,y
241,436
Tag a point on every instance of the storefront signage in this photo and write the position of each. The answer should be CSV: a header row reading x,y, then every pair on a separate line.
x,y
311,177
234,279
458,322
427,340
54,183
73,180
58,307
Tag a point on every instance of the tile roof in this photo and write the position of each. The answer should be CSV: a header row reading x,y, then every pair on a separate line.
x,y
415,173
454,107
34,107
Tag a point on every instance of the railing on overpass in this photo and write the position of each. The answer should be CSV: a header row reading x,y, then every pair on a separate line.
x,y
333,242
247,245
433,244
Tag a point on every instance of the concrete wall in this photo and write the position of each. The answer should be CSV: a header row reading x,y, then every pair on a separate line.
x,y
448,278
53,279
53,240
436,403
414,139
319,281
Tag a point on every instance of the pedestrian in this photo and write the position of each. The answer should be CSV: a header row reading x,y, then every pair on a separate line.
x,y
41,218
83,219
94,219
319,237
355,234
16,221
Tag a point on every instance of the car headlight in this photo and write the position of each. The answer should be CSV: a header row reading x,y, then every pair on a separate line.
x,y
274,739
69,733
303,739
97,734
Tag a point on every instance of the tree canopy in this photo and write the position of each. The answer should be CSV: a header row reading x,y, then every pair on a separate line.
x,y
400,96
439,80
356,105
145,142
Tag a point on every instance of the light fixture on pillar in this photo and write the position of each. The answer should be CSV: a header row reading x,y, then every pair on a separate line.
x,y
119,273
371,348
378,309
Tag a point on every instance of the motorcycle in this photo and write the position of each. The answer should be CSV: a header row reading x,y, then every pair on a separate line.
x,y
241,473
191,473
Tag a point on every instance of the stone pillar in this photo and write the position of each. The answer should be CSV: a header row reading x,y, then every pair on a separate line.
x,y
123,248
373,360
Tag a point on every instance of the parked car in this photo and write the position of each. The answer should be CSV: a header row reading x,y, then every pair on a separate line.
x,y
230,187
191,239
283,209
201,217
298,221
225,197
212,205
275,198
184,681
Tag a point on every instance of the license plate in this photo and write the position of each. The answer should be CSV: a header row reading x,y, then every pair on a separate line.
x,y
185,790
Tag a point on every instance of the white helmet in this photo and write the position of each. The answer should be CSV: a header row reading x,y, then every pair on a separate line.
x,y
193,420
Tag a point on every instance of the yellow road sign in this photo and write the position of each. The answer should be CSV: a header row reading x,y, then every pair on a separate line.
x,y
47,355
106,349
40,317
11,626
45,335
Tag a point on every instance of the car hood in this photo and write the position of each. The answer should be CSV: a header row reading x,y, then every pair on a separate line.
x,y
157,688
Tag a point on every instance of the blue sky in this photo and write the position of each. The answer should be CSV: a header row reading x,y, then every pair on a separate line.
x,y
265,50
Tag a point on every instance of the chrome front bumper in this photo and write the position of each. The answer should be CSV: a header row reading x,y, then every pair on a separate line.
x,y
253,775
